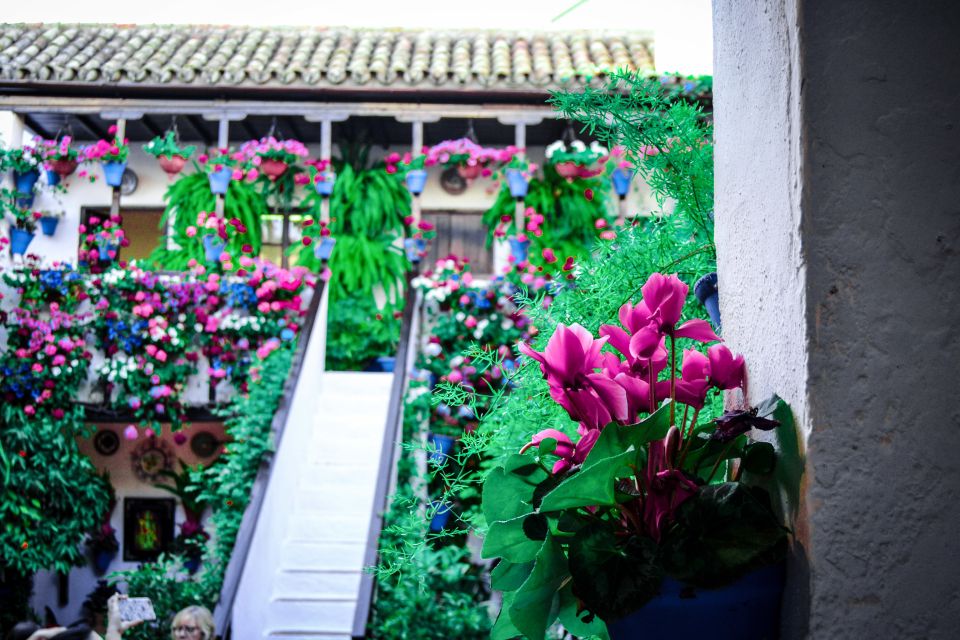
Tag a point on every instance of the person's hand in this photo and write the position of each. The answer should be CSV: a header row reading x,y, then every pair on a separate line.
x,y
115,624
42,634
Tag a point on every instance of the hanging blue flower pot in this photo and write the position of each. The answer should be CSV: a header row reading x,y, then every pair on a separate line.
x,y
102,560
53,178
519,249
25,202
113,173
518,183
325,186
440,518
49,225
386,363
192,563
416,181
20,239
708,293
25,181
104,251
441,446
621,182
324,248
749,609
220,181
213,247
414,247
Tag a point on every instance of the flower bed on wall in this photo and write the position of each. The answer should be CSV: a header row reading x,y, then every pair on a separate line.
x,y
132,342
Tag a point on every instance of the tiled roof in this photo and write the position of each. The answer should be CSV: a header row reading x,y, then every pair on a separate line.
x,y
203,56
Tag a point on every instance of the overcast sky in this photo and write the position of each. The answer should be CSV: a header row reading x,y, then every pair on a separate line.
x,y
681,28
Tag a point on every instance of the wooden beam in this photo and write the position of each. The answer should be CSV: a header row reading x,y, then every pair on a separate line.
x,y
37,128
250,131
91,126
294,129
197,124
151,126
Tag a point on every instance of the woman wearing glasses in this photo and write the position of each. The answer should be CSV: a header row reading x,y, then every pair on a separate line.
x,y
193,623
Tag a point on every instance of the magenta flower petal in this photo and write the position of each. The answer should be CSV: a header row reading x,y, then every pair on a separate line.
x,y
638,395
664,297
695,365
726,371
645,342
612,395
585,444
617,338
696,329
564,444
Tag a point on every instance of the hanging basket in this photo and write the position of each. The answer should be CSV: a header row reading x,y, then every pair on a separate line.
x,y
172,165
273,169
469,171
567,169
63,167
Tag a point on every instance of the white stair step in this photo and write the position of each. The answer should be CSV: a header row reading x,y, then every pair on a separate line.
x,y
289,616
323,556
305,527
339,585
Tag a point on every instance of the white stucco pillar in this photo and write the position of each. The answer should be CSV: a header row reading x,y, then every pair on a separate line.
x,y
838,233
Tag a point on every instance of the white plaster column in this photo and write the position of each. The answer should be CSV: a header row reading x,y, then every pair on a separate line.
x,y
838,233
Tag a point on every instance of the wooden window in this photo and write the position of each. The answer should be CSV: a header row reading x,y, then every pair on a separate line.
x,y
460,233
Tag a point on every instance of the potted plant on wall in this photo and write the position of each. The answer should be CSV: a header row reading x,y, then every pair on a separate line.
x,y
60,158
23,221
272,156
212,230
112,155
646,506
49,219
168,152
102,545
574,159
224,165
102,239
25,163
413,169
469,158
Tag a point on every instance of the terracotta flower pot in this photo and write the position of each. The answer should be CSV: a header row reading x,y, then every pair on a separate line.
x,y
469,171
567,169
273,169
63,167
173,165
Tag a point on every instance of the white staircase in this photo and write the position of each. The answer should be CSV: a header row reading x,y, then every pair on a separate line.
x,y
302,575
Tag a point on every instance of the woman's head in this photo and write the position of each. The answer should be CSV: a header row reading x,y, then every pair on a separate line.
x,y
193,623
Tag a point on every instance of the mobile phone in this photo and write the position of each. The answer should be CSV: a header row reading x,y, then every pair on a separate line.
x,y
136,609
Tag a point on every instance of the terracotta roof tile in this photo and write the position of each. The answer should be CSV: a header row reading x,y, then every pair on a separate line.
x,y
201,56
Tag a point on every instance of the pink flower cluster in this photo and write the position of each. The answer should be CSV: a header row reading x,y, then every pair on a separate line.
x,y
597,388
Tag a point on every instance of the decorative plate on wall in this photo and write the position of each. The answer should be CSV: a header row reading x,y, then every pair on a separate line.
x,y
204,444
452,182
129,182
106,442
150,458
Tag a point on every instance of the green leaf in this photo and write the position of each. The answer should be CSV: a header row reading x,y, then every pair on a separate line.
x,y
509,576
593,485
615,439
507,539
613,576
722,533
759,457
508,491
536,603
573,619
504,628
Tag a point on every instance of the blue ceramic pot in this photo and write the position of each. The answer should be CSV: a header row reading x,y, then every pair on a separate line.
x,y
386,363
53,178
20,239
324,248
192,564
416,181
519,249
414,247
748,609
25,202
440,518
213,247
708,293
104,251
325,186
518,183
621,182
441,447
49,225
25,181
113,173
220,181
102,560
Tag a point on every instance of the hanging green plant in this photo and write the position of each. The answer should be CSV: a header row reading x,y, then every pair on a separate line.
x,y
190,195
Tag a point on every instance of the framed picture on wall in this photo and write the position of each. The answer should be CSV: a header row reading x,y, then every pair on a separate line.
x,y
148,527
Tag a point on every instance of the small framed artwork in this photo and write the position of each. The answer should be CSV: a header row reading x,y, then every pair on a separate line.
x,y
148,527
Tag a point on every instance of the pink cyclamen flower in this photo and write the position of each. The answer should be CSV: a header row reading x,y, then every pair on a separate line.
x,y
568,453
726,371
131,432
666,488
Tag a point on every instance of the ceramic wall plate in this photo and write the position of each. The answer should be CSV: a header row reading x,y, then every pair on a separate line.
x,y
106,442
204,444
452,182
150,458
